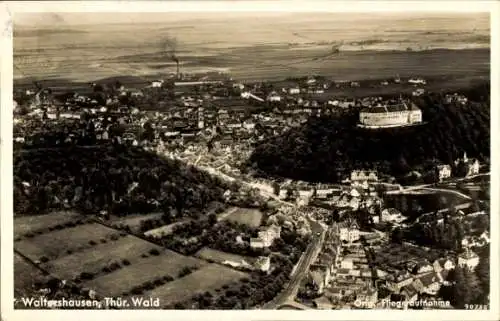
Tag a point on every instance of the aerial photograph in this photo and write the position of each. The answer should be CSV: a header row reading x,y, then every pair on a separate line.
x,y
251,160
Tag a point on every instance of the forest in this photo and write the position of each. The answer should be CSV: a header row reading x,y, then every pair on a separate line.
x,y
328,148
113,178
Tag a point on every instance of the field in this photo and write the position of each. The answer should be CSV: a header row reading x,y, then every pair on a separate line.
x,y
31,224
143,270
247,216
55,243
260,48
25,274
163,230
134,221
208,278
94,259
219,256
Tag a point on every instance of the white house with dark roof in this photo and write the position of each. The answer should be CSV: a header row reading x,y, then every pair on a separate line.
x,y
349,231
443,172
468,259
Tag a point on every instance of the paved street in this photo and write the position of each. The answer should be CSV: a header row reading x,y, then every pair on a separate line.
x,y
307,258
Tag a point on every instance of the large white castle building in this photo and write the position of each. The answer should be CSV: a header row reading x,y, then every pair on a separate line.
x,y
397,114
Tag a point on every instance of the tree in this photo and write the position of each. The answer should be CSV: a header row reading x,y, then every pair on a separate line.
x,y
483,275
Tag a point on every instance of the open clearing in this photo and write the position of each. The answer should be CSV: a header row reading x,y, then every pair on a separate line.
x,y
219,256
95,258
208,278
248,216
164,230
55,243
30,224
24,276
134,221
146,269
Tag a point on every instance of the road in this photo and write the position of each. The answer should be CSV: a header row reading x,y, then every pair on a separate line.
x,y
448,191
431,186
288,294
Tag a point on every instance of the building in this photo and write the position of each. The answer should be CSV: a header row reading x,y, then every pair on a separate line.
x,y
349,232
471,165
427,283
417,81
409,293
390,115
320,275
397,282
418,92
391,215
157,83
273,97
266,237
468,259
443,264
443,172
360,176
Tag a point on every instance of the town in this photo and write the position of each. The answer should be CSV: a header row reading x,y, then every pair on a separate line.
x,y
368,241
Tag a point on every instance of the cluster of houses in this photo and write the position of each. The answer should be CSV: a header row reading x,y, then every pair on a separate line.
x,y
341,272
409,278
346,275
472,166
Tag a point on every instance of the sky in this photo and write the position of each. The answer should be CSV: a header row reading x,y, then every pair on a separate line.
x,y
57,19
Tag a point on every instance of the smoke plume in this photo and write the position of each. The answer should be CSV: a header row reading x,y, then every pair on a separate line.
x,y
170,46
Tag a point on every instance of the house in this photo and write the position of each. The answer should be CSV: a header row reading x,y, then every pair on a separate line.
x,y
443,264
471,165
443,172
360,176
391,215
157,83
422,267
263,263
366,273
409,293
417,81
468,259
266,237
428,283
418,92
294,91
320,278
347,263
398,281
349,231
273,97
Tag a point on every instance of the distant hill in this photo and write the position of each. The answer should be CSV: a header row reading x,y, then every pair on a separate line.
x,y
119,179
329,147
44,32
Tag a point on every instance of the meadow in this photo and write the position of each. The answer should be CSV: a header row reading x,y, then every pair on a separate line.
x,y
145,269
247,216
31,224
93,259
56,243
208,278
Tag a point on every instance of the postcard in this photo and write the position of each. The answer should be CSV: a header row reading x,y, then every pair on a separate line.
x,y
255,160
